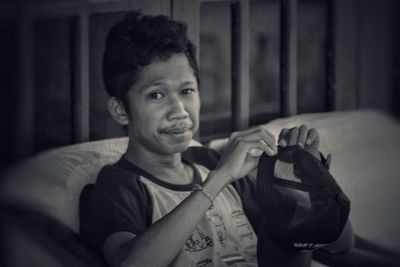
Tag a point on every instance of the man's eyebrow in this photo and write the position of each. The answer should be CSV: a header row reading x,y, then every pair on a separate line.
x,y
154,82
188,83
157,82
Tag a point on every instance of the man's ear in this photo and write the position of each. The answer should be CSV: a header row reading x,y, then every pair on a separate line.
x,y
118,111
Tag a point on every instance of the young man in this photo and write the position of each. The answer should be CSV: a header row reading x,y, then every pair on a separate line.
x,y
162,203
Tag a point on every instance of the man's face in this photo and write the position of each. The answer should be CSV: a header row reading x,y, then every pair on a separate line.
x,y
164,106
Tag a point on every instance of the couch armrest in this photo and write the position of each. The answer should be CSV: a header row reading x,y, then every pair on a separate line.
x,y
365,254
33,239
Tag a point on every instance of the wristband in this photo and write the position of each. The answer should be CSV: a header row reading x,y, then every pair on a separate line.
x,y
198,187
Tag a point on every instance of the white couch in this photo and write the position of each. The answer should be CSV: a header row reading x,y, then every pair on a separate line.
x,y
365,145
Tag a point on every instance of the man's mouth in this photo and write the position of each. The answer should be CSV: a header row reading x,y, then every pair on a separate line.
x,y
177,129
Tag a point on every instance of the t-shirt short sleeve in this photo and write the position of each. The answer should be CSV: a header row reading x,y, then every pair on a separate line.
x,y
118,201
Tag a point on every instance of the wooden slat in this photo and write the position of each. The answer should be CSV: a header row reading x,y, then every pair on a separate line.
x,y
376,50
240,65
219,1
9,10
80,88
99,7
24,132
154,7
289,57
346,42
69,9
188,11
53,9
330,57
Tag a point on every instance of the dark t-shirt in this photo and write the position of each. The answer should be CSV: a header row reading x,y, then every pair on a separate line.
x,y
123,199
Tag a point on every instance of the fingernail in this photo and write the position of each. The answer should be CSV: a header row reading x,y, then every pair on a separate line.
x,y
272,152
255,152
308,141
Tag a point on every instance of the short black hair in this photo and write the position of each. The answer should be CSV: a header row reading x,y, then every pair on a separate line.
x,y
137,41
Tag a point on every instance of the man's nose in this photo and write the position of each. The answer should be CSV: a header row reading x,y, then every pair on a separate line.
x,y
177,109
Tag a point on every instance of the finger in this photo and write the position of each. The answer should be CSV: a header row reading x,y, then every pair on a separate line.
x,y
268,150
260,134
269,140
255,152
283,137
245,132
303,132
264,138
253,148
268,132
293,136
235,136
312,136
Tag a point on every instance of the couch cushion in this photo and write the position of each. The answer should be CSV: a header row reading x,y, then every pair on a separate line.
x,y
51,181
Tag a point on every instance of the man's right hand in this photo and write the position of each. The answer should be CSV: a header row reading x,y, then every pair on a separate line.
x,y
243,151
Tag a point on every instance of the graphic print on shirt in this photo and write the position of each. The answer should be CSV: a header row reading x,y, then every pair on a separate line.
x,y
231,259
216,221
245,232
198,241
227,252
205,263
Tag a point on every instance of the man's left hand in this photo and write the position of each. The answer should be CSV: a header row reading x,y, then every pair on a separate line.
x,y
307,138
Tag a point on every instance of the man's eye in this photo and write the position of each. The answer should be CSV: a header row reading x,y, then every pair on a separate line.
x,y
156,95
187,91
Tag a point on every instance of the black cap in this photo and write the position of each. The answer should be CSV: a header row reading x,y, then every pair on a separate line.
x,y
301,205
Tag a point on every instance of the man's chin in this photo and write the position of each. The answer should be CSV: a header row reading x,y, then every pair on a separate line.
x,y
176,144
174,149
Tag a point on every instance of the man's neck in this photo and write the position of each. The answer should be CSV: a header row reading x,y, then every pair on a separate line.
x,y
166,167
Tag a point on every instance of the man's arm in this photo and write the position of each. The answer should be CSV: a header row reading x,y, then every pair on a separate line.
x,y
344,243
162,241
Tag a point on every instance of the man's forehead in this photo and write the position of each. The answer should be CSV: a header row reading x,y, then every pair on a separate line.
x,y
175,70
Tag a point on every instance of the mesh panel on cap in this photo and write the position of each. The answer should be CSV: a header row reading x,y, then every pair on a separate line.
x,y
285,170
